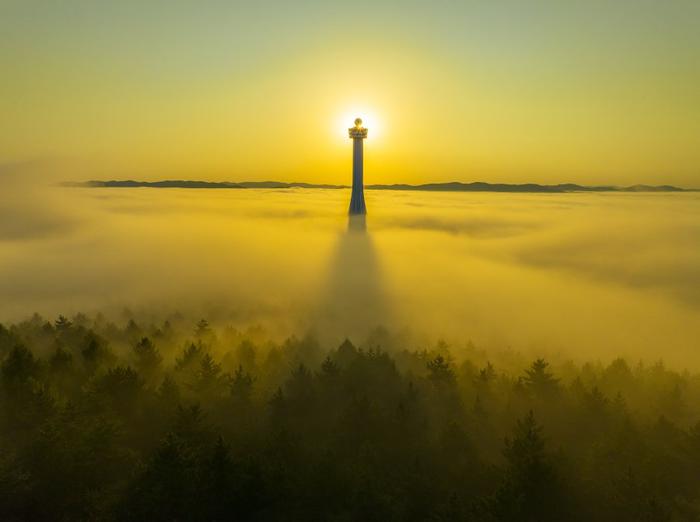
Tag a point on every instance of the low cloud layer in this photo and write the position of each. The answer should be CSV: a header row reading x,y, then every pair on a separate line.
x,y
582,274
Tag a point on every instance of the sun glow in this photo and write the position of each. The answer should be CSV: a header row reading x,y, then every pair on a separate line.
x,y
369,119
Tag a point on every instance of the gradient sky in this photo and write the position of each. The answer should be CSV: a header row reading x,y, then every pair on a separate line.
x,y
512,91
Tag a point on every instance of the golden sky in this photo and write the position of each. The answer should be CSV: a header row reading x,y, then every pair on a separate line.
x,y
527,91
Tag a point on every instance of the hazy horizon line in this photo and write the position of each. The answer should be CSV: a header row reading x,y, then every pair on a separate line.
x,y
449,186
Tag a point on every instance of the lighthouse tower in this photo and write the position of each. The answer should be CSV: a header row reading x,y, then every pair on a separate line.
x,y
357,201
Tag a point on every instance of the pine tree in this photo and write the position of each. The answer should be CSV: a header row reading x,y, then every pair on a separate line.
x,y
539,381
148,358
440,372
531,491
18,368
241,385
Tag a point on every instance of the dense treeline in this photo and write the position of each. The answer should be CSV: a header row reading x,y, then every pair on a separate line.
x,y
100,422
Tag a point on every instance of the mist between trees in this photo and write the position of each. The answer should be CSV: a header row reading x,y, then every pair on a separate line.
x,y
184,421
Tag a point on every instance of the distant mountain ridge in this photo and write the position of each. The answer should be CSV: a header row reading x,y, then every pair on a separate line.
x,y
454,186
199,184
480,186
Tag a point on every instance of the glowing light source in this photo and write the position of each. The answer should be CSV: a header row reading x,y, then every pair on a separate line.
x,y
366,117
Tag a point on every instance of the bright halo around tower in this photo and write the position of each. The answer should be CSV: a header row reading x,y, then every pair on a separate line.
x,y
370,121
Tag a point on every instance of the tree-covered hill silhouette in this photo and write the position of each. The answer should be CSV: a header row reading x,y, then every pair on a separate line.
x,y
453,186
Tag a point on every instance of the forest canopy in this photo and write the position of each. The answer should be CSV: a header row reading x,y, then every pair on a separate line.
x,y
182,420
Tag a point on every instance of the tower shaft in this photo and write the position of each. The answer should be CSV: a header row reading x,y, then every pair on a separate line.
x,y
357,201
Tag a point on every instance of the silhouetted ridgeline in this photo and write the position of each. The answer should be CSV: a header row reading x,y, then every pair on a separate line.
x,y
455,186
200,184
183,421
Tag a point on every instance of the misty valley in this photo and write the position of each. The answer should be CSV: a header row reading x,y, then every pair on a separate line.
x,y
362,261
252,355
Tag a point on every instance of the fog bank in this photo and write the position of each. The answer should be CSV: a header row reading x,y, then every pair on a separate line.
x,y
586,275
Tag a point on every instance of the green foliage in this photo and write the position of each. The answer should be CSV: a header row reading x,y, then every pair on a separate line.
x,y
531,491
539,381
440,371
145,422
18,368
241,385
148,357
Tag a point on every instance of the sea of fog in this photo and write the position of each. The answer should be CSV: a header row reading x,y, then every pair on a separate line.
x,y
587,275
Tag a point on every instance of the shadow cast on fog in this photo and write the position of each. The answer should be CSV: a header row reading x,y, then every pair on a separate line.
x,y
353,303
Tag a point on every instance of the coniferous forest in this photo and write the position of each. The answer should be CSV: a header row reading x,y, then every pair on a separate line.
x,y
180,421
